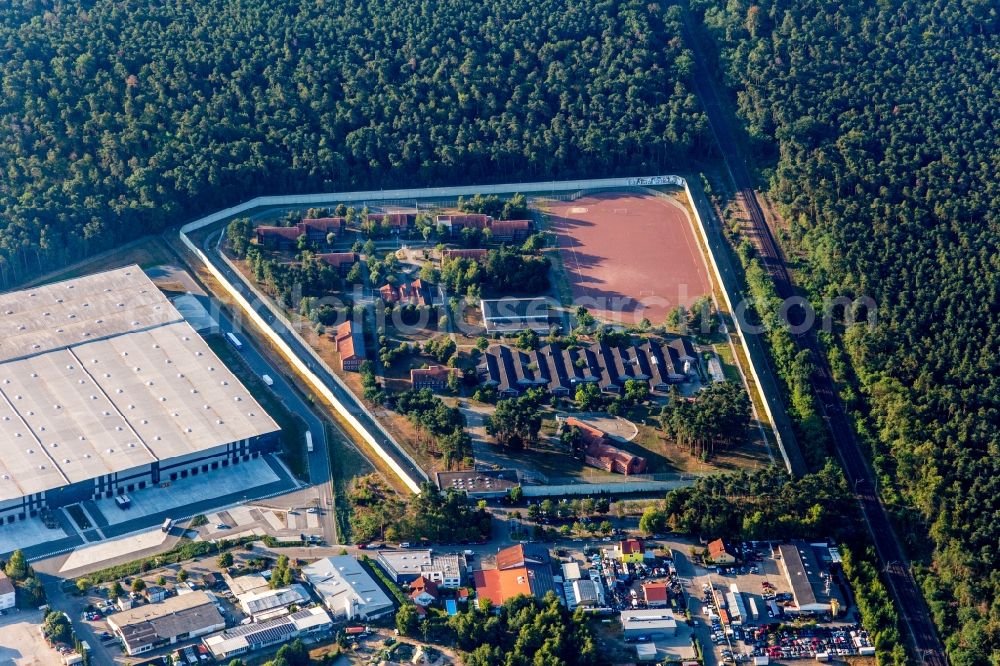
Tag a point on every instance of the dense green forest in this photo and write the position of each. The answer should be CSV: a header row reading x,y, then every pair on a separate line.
x,y
877,122
121,117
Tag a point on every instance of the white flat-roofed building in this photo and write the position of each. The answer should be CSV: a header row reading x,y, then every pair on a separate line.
x,y
571,571
247,638
105,389
147,627
267,603
7,595
347,590
405,566
654,622
241,585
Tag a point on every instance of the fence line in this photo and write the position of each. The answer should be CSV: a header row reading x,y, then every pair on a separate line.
x,y
562,190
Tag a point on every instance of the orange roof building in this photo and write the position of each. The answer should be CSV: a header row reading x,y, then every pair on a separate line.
x,y
350,341
598,451
342,261
435,377
720,553
656,594
522,569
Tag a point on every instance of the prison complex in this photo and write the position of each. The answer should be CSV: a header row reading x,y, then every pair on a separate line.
x,y
105,389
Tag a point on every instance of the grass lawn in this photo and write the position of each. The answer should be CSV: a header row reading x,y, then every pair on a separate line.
x,y
146,252
292,428
346,463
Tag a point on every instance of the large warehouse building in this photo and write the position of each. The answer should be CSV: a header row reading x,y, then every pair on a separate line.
x,y
105,389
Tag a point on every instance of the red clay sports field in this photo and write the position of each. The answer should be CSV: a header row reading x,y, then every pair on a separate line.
x,y
629,256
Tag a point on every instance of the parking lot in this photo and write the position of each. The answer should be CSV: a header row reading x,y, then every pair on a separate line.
x,y
768,631
21,643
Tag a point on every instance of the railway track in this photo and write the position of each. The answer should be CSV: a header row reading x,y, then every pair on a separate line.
x,y
910,603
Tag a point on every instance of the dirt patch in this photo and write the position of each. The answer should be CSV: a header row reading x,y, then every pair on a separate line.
x,y
629,256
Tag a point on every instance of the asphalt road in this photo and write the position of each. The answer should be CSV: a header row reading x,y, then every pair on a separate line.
x,y
318,459
910,603
343,395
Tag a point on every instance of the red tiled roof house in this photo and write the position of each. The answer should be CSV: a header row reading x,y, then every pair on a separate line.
x,y
350,341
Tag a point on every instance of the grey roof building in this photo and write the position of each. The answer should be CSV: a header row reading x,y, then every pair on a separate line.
x,y
347,590
147,627
105,389
405,566
812,587
560,371
259,635
266,603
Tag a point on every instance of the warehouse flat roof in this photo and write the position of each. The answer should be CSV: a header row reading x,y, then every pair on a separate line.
x,y
120,398
66,313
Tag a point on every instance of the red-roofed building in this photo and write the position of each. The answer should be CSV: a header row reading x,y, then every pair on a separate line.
x,y
342,261
435,377
388,293
455,223
656,594
510,230
285,238
395,222
719,552
589,435
475,254
409,293
350,341
521,569
423,592
598,451
316,229
277,238
630,550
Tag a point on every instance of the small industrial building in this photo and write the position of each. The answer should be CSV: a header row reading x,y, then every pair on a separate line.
x,y
246,638
348,591
585,593
652,622
513,315
242,585
406,566
266,604
150,626
812,586
571,571
479,484
106,390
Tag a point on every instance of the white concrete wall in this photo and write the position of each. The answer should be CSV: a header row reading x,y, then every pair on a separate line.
x,y
553,187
